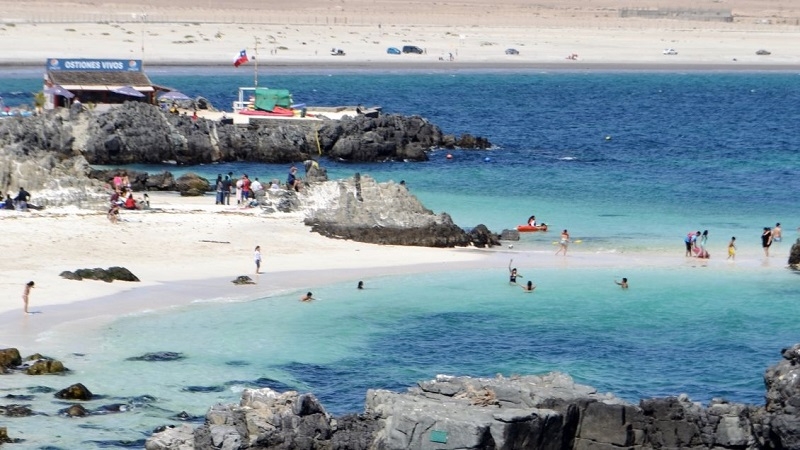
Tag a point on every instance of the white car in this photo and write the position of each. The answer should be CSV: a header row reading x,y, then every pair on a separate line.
x,y
670,51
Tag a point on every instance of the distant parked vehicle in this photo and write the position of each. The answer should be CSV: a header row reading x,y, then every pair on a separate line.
x,y
670,51
763,52
413,49
512,51
393,51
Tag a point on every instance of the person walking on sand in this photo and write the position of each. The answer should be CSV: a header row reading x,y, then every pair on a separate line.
x,y
257,257
512,273
562,244
732,248
623,284
529,287
26,293
766,240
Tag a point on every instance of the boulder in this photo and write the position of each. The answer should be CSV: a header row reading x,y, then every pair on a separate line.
x,y
179,437
107,275
192,185
794,255
364,210
15,411
9,357
75,392
74,411
243,279
481,237
45,366
509,235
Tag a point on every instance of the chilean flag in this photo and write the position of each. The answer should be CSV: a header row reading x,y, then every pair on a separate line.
x,y
241,58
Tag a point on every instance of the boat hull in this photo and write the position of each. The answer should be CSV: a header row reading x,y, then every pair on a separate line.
x,y
529,228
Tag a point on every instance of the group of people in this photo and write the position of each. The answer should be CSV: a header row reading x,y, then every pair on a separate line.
x,y
245,190
696,241
122,198
19,202
529,287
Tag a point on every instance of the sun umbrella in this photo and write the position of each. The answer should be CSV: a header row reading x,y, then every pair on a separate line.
x,y
173,95
128,90
58,90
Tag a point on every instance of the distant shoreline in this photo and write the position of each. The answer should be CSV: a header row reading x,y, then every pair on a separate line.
x,y
447,66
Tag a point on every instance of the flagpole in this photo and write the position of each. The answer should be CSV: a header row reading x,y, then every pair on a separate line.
x,y
255,74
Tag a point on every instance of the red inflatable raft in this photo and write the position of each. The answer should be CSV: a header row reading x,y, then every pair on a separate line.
x,y
529,228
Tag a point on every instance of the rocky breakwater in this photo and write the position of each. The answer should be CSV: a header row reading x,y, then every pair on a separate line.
x,y
36,154
140,133
794,256
547,412
364,210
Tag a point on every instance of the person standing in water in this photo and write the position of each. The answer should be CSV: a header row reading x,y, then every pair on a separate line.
x,y
732,248
623,284
257,257
777,233
563,243
26,294
512,273
766,240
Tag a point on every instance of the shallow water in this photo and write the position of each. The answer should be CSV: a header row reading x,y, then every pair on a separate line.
x,y
693,151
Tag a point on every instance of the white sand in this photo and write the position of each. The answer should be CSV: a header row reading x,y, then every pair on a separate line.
x,y
304,32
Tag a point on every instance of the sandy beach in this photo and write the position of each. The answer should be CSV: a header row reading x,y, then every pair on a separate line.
x,y
466,34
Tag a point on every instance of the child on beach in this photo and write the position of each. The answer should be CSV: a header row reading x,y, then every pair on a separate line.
x,y
257,257
732,248
26,293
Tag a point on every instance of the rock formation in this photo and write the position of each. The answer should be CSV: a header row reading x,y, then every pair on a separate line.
x,y
364,210
794,256
107,275
547,412
140,133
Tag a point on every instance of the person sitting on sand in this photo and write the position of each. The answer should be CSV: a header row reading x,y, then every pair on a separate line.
x,y
130,203
623,284
292,182
529,287
307,298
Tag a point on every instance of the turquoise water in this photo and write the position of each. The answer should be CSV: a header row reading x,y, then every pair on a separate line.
x,y
687,151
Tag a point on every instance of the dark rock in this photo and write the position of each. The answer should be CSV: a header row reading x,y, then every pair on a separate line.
x,y
15,411
509,235
74,411
75,392
10,357
70,275
46,366
794,255
481,237
109,275
192,185
4,435
158,356
354,432
243,279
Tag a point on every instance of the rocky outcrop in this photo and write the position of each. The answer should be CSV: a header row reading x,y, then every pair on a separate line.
x,y
794,255
547,412
107,275
364,210
136,132
76,391
192,185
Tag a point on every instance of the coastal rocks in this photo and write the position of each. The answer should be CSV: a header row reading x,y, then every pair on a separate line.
x,y
783,399
136,132
15,411
243,279
509,235
794,255
45,366
76,391
9,357
74,411
481,237
158,356
172,438
192,185
364,210
107,275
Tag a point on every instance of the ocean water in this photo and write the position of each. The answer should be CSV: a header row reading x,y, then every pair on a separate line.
x,y
629,162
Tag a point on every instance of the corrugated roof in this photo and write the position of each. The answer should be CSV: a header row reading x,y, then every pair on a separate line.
x,y
96,78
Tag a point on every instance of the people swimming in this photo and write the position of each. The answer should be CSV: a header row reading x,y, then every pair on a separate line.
x,y
528,287
623,284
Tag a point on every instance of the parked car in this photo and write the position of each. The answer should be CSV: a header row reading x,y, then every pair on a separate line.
x,y
512,51
412,49
763,52
393,51
670,51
